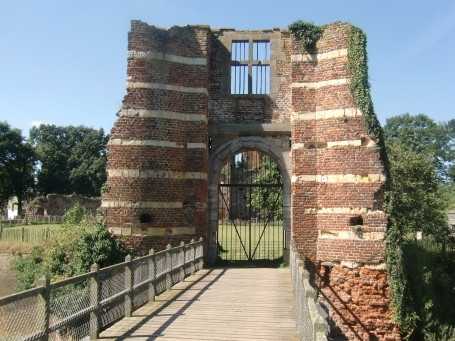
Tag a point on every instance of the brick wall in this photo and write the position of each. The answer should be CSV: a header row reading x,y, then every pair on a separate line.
x,y
157,153
179,123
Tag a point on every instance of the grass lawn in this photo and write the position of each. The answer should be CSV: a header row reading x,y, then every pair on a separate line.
x,y
237,241
28,233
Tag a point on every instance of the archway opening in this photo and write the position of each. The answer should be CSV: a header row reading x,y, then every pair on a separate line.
x,y
250,210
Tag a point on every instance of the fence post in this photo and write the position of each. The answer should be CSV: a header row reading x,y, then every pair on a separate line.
x,y
169,267
44,299
182,266
193,258
128,286
23,234
94,302
152,275
201,260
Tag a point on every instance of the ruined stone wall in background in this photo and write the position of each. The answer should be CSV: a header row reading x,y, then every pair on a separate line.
x,y
58,204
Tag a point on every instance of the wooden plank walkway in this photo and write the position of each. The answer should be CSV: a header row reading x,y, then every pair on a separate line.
x,y
216,304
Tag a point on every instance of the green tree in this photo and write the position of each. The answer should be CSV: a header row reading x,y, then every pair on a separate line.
x,y
268,200
72,159
82,241
17,165
414,202
421,135
418,152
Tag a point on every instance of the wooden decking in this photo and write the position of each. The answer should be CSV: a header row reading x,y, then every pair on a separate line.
x,y
216,304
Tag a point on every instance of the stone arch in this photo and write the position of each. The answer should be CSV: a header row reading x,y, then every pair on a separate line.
x,y
218,159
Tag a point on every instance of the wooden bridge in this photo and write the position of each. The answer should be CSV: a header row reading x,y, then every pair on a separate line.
x,y
216,304
168,295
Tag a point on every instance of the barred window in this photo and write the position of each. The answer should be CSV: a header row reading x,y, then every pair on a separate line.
x,y
250,68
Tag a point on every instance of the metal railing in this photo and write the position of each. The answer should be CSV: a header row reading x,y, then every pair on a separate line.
x,y
79,307
310,324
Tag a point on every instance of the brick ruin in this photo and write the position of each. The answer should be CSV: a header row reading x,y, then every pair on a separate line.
x,y
58,204
184,116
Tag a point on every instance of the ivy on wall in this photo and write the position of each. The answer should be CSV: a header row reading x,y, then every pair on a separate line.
x,y
359,86
306,31
401,301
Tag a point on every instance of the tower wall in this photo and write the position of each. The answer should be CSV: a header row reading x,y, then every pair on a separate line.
x,y
157,158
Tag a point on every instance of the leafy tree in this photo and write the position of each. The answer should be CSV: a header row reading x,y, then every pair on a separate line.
x,y
17,165
72,159
419,157
420,134
414,202
269,200
81,242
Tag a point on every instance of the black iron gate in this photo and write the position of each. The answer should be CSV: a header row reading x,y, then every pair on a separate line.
x,y
250,209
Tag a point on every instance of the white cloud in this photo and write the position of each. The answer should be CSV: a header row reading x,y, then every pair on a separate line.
x,y
440,24
35,123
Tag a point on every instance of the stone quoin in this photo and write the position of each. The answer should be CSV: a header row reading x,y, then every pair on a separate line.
x,y
195,97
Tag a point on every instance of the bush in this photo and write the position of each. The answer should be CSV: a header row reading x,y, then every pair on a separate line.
x,y
81,242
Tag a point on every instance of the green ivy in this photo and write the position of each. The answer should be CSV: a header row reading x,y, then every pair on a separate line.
x,y
306,31
359,86
400,298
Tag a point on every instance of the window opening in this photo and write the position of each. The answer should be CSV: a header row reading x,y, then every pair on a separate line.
x,y
240,50
250,69
261,50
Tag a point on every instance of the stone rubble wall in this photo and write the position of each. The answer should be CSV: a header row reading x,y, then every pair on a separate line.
x,y
58,204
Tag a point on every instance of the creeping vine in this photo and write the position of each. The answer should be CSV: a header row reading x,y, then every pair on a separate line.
x,y
401,302
306,31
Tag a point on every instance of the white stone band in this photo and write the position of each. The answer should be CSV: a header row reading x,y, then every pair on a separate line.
x,y
340,178
151,173
325,234
156,143
146,204
317,85
169,87
153,231
325,114
167,57
170,115
306,57
333,144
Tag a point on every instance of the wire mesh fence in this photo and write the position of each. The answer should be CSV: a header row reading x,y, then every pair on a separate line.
x,y
79,307
310,324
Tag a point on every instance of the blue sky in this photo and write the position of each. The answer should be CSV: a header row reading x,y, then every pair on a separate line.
x,y
64,62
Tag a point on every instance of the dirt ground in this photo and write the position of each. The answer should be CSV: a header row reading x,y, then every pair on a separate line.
x,y
7,277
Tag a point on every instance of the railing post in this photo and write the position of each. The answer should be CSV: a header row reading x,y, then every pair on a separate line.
x,y
182,267
193,258
94,302
152,275
201,259
128,286
168,267
44,299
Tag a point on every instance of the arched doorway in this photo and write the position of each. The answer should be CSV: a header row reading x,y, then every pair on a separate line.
x,y
248,201
250,209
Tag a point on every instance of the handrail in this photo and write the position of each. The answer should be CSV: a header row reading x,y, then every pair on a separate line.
x,y
310,323
81,306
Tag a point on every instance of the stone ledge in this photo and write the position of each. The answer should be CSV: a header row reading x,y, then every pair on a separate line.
x,y
262,129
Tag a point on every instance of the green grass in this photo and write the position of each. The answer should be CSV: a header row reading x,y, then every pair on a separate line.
x,y
29,233
267,248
